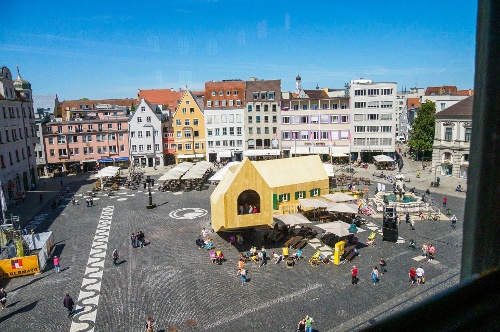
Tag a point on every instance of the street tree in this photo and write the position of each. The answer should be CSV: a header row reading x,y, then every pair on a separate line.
x,y
422,134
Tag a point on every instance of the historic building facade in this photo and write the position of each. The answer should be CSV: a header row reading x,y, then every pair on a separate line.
x,y
224,122
188,125
453,131
17,135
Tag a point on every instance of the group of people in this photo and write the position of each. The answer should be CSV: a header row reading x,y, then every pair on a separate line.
x,y
247,209
428,251
305,324
89,201
417,275
138,239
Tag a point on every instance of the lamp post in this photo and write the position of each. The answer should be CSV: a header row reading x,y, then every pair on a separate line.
x,y
149,182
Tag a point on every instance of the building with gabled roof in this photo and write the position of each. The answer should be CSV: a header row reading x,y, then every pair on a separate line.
x,y
188,125
145,125
168,98
272,186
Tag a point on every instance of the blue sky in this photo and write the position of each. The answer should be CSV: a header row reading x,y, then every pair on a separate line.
x,y
109,49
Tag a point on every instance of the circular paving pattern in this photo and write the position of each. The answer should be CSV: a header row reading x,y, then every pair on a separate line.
x,y
188,213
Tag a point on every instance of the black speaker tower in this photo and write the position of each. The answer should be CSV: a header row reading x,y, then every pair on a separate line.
x,y
390,227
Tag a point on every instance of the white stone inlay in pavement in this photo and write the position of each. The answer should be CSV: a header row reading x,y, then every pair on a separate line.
x,y
122,199
88,299
188,213
418,258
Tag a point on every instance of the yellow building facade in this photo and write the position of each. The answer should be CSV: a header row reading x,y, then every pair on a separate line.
x,y
189,128
267,186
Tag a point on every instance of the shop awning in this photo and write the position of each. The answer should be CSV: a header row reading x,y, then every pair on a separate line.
x,y
261,152
320,150
89,161
106,160
199,155
225,154
185,156
121,159
300,150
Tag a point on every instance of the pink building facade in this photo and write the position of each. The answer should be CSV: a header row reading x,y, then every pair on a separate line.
x,y
99,140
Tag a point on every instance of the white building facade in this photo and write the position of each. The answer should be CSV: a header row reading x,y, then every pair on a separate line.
x,y
145,125
17,135
225,134
374,118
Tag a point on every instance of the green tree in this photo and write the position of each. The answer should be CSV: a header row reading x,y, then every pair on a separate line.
x,y
422,133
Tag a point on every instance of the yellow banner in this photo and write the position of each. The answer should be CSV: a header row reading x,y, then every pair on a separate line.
x,y
19,266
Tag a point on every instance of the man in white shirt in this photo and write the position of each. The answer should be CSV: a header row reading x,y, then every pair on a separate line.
x,y
204,233
420,275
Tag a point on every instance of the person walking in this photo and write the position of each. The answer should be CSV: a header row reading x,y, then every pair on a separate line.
x,y
432,251
454,221
69,304
56,264
3,298
243,274
73,200
375,275
412,274
354,275
115,256
445,200
309,321
264,256
133,240
23,196
412,225
260,258
420,275
204,233
149,324
41,199
301,326
382,264
241,266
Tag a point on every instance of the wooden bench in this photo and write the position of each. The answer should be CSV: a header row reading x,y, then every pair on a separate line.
x,y
293,241
350,256
301,244
277,237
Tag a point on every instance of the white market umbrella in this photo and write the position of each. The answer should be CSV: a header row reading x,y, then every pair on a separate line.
x,y
338,228
291,219
339,197
339,154
314,203
343,208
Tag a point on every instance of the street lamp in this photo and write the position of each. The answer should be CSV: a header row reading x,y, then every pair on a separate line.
x,y
149,182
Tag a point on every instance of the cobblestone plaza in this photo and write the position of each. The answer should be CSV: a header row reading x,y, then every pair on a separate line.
x,y
176,283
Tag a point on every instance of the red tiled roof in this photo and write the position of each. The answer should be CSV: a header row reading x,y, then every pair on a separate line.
x,y
413,102
441,90
469,92
167,97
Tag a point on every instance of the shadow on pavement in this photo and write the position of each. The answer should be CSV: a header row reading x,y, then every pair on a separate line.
x,y
26,308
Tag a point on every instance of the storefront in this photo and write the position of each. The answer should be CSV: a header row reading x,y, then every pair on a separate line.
x,y
122,162
104,162
447,164
89,165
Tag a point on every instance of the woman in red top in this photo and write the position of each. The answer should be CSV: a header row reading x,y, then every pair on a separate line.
x,y
413,275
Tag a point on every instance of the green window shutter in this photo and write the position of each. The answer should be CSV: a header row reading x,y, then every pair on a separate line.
x,y
311,193
304,194
319,192
280,198
288,197
275,202
296,195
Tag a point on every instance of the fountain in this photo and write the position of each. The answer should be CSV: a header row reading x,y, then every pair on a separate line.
x,y
404,202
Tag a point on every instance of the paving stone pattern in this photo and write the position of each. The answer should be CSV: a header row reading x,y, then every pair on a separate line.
x,y
179,286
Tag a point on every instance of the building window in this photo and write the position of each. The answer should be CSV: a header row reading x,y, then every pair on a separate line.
x,y
209,103
257,108
284,197
448,134
468,133
250,119
344,118
334,119
178,122
238,131
148,119
139,134
184,110
186,122
257,119
139,119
